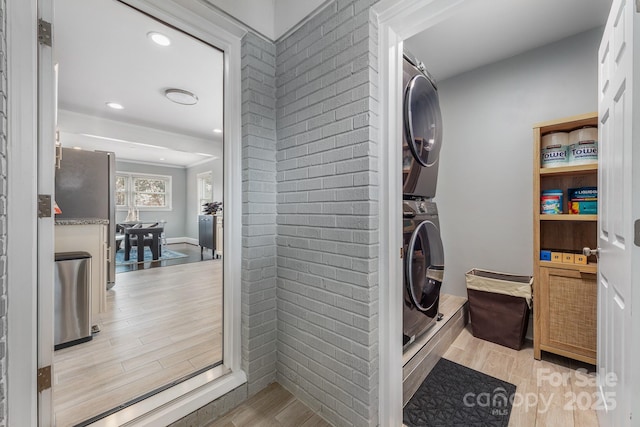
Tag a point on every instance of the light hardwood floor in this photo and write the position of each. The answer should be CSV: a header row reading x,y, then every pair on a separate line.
x,y
272,407
549,404
161,325
553,401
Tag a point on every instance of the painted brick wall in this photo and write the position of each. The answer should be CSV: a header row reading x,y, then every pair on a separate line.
x,y
3,213
328,214
258,212
259,331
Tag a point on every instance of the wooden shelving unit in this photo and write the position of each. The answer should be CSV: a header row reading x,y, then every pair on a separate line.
x,y
591,267
567,217
568,170
565,295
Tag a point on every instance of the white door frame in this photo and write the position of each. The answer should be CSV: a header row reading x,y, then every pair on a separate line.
x,y
195,18
47,111
22,346
397,21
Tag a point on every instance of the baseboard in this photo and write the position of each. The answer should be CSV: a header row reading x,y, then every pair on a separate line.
x,y
189,240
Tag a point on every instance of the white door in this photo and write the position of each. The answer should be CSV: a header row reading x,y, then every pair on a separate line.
x,y
618,210
46,175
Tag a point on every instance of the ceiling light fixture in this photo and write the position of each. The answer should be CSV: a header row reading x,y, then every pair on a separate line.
x,y
217,131
158,38
114,105
180,96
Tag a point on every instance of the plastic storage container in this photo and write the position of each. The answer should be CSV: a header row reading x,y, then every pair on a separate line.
x,y
554,156
554,149
551,202
499,306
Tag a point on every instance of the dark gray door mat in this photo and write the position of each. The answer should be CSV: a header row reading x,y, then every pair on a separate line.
x,y
454,395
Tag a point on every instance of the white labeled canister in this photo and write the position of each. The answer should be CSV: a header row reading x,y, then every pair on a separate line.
x,y
587,133
583,146
554,138
583,153
554,156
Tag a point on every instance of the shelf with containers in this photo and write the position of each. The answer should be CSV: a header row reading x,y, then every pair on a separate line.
x,y
565,293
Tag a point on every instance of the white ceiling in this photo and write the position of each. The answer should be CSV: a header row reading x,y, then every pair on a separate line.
x,y
104,55
272,18
485,31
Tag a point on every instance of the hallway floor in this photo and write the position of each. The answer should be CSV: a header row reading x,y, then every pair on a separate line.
x,y
161,324
550,390
273,407
544,403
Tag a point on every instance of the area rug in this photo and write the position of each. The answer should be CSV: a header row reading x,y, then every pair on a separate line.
x,y
454,395
133,258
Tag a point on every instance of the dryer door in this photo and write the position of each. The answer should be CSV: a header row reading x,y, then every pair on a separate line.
x,y
425,266
423,120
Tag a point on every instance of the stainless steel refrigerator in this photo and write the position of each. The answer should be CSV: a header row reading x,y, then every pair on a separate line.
x,y
85,189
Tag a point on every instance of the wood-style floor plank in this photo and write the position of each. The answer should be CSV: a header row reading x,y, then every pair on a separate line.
x,y
161,324
543,402
272,407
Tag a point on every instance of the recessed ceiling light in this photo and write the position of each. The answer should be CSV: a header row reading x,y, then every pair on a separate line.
x,y
77,148
217,130
161,158
114,105
180,96
158,38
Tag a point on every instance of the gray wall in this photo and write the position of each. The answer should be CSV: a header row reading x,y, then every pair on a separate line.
x,y
175,218
192,208
485,178
3,213
327,214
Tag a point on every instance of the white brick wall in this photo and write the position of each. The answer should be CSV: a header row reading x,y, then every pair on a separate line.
x,y
3,213
258,230
327,241
258,212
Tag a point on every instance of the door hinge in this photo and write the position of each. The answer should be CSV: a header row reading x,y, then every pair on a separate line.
x,y
44,32
44,378
44,206
401,253
58,155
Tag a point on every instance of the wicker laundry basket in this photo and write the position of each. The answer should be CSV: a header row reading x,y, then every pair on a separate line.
x,y
499,306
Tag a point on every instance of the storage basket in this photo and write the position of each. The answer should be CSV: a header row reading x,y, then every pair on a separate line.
x,y
499,306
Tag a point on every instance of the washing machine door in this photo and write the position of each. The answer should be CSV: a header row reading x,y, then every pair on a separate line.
x,y
423,120
424,266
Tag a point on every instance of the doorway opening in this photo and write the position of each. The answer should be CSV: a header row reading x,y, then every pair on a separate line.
x,y
153,97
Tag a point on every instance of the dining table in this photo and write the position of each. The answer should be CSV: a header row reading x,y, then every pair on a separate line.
x,y
143,235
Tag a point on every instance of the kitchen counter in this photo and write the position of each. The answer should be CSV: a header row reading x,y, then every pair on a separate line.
x,y
82,221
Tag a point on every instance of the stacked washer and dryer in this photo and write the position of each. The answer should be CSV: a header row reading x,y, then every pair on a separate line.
x,y
423,252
